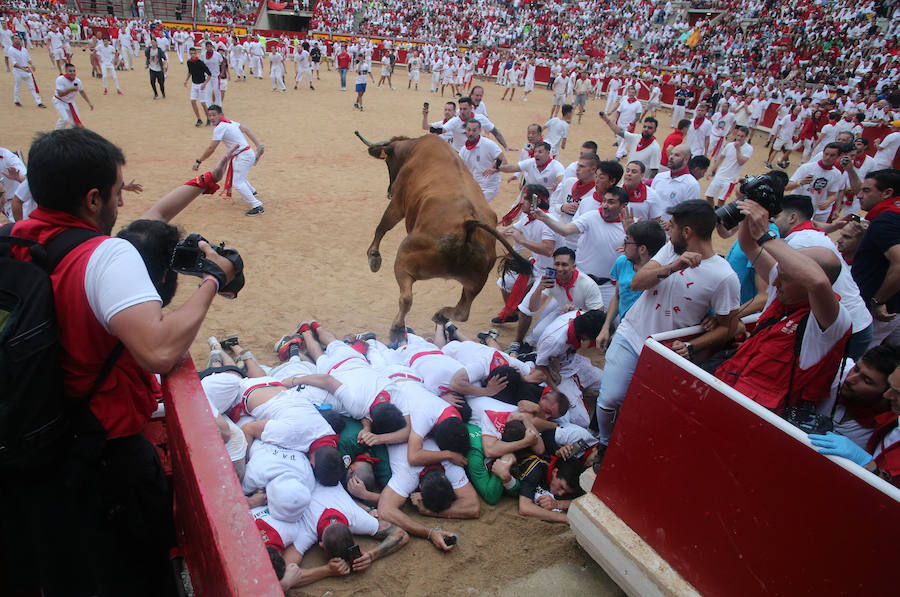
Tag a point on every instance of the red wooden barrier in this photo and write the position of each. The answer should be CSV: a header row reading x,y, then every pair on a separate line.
x,y
220,542
735,499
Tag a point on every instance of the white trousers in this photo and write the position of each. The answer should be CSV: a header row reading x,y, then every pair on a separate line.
x,y
25,78
242,164
67,114
109,69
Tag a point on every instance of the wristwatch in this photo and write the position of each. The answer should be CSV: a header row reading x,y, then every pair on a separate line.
x,y
769,235
875,302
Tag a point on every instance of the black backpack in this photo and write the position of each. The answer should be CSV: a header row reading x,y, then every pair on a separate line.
x,y
36,417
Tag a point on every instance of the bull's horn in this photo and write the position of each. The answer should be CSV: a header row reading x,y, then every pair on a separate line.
x,y
361,138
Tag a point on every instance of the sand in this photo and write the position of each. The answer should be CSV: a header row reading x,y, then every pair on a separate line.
x,y
305,258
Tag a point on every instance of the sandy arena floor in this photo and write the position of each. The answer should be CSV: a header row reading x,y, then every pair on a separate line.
x,y
305,258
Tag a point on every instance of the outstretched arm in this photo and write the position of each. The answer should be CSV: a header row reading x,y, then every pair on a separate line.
x,y
389,509
174,202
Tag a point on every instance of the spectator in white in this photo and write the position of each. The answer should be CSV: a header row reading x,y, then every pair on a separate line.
x,y
769,367
541,169
602,235
887,148
562,336
727,168
820,180
108,57
559,95
827,133
629,110
566,199
607,175
213,61
478,152
859,164
785,132
556,130
795,227
612,93
643,148
686,280
699,132
67,85
457,125
722,123
676,185
23,72
643,202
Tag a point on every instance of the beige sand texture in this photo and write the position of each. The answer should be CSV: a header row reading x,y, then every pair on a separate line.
x,y
305,258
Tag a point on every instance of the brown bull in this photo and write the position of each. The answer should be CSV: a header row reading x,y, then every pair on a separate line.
x,y
449,225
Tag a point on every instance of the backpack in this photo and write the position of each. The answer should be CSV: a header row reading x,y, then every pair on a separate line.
x,y
36,417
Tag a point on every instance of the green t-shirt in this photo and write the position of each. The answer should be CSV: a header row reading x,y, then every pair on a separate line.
x,y
348,446
488,485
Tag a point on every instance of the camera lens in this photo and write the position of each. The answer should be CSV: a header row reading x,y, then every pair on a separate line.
x,y
729,215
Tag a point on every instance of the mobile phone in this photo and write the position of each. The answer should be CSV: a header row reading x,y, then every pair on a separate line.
x,y
425,106
353,552
854,217
498,162
550,272
451,540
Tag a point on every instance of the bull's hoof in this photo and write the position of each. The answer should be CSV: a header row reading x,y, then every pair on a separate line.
x,y
374,261
439,318
398,335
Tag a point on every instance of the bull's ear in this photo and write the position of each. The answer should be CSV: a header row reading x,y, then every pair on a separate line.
x,y
383,155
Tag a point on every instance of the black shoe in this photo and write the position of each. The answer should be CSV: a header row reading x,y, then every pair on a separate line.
x,y
483,336
198,123
598,457
528,357
526,347
256,211
510,319
311,87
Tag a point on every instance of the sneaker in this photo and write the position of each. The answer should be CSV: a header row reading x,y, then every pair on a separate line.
x,y
295,87
356,105
42,106
18,104
311,87
528,357
198,123
213,343
229,341
288,348
598,457
256,211
514,348
767,165
526,347
104,92
155,97
119,92
491,333
512,318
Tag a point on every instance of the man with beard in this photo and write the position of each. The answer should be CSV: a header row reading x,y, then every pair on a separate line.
x,y
686,280
643,148
677,184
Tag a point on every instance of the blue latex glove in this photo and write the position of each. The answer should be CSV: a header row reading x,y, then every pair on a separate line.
x,y
838,445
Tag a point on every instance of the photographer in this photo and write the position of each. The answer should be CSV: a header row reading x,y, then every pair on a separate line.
x,y
794,353
106,492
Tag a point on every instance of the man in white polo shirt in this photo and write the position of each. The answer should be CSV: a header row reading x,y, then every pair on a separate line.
x,y
108,57
722,123
643,202
727,167
232,135
677,184
699,132
643,148
67,86
556,130
628,110
479,152
23,71
541,169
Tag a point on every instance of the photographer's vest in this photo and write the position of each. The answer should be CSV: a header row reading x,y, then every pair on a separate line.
x,y
765,368
889,459
127,398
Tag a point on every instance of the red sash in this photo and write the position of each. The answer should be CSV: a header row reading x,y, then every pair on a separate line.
x,y
419,355
229,174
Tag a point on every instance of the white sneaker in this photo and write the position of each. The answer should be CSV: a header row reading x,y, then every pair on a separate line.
x,y
213,343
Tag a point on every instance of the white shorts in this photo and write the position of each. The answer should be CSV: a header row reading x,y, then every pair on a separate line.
x,y
315,66
58,54
719,188
198,92
223,84
559,100
781,144
414,75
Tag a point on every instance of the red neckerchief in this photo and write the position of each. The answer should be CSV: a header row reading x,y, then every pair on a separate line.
x,y
445,121
531,152
269,535
530,218
209,55
470,145
580,189
644,143
430,467
551,466
223,119
824,167
367,459
325,440
884,424
544,167
72,78
383,396
639,195
448,413
194,59
858,162
329,516
698,122
888,205
807,225
794,117
677,173
618,219
631,100
498,359
568,287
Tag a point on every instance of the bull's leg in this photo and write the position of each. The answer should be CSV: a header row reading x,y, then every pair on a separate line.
x,y
471,288
391,217
405,282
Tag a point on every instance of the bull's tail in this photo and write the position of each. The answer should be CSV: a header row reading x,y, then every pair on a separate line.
x,y
512,262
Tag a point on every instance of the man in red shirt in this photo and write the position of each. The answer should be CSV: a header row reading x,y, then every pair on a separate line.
x,y
343,63
675,139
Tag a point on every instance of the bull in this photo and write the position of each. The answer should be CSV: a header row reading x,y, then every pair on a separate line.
x,y
449,226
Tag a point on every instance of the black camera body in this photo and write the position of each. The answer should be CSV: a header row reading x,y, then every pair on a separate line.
x,y
766,189
188,258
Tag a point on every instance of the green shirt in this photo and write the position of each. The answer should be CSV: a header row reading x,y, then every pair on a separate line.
x,y
488,485
348,446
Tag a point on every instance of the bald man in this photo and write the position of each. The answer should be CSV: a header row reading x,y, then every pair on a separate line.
x,y
677,184
802,309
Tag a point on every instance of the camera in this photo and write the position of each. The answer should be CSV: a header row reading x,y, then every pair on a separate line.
x,y
766,189
188,258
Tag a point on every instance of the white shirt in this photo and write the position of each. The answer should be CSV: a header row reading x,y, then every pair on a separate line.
x,y
730,169
555,131
787,128
479,360
823,183
722,123
697,138
682,299
629,112
337,498
18,57
478,159
268,461
584,292
230,134
598,244
673,191
884,157
550,176
115,279
536,232
405,477
457,127
552,342
63,83
213,63
291,533
649,156
648,209
107,55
